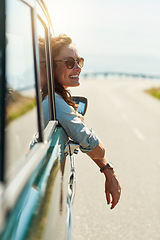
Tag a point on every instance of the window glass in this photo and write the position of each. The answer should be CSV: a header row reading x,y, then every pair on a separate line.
x,y
21,111
43,72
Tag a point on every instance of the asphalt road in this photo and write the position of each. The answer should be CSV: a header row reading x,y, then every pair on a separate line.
x,y
127,120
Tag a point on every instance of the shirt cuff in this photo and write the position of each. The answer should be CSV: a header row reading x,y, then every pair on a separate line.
x,y
93,142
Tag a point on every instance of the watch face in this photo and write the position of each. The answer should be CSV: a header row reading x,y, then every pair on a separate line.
x,y
110,164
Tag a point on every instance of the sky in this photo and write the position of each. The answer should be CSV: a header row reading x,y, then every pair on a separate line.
x,y
112,35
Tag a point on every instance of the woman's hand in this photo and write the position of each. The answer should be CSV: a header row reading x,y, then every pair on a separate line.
x,y
112,188
80,116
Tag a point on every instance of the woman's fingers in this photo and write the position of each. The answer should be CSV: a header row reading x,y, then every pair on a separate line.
x,y
108,198
115,201
112,190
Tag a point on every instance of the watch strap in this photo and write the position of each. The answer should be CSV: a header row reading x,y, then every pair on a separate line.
x,y
108,165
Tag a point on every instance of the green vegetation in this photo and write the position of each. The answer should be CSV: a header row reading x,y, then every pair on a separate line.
x,y
20,110
155,92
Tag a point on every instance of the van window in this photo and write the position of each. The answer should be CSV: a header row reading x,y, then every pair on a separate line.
x,y
21,111
42,32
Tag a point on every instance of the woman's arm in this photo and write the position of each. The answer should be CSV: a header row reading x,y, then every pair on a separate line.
x,y
112,186
90,144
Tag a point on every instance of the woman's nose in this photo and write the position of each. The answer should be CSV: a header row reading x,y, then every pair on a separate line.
x,y
77,66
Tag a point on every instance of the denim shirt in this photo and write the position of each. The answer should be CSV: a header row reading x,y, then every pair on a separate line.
x,y
72,124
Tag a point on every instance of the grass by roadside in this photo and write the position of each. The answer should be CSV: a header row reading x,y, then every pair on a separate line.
x,y
18,105
155,92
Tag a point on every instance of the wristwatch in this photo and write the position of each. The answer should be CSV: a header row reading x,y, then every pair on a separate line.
x,y
108,165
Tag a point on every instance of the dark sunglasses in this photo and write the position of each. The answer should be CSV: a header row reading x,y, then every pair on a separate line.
x,y
70,62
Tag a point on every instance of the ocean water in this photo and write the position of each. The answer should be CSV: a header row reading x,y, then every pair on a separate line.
x,y
133,64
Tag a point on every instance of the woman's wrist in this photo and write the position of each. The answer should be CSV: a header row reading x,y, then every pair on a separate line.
x,y
109,165
109,173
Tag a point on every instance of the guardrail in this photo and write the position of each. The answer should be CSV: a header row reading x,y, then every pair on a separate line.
x,y
121,74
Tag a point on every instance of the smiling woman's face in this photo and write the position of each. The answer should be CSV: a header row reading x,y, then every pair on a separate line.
x,y
67,77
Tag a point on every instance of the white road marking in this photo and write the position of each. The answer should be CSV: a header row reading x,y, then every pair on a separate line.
x,y
116,101
138,134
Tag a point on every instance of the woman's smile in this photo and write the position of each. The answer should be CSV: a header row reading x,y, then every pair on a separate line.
x,y
76,76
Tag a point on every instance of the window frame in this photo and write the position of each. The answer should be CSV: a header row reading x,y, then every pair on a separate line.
x,y
52,87
51,80
42,13
48,68
43,135
2,88
37,73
